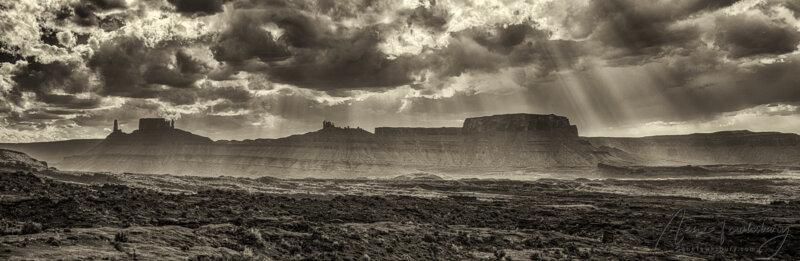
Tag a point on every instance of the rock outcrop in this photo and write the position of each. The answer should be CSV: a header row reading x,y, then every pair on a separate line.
x,y
154,131
14,161
156,137
552,124
495,142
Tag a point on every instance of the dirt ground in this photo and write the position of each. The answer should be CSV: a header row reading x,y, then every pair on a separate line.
x,y
60,215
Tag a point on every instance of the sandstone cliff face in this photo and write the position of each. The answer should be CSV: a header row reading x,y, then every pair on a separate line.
x,y
520,123
539,141
728,147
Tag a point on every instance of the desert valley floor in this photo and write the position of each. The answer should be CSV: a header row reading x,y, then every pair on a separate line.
x,y
49,214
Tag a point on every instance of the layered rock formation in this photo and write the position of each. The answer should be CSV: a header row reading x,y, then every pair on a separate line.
x,y
726,147
521,122
495,142
500,142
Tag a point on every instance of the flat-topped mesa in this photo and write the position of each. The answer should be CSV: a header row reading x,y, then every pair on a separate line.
x,y
485,143
155,124
519,123
154,131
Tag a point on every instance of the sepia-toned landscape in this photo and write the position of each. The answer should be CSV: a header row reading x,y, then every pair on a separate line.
x,y
399,130
582,202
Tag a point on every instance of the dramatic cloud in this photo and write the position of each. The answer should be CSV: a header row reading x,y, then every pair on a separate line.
x,y
129,68
347,62
235,69
743,35
53,84
245,39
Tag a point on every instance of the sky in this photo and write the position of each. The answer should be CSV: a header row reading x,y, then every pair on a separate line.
x,y
246,69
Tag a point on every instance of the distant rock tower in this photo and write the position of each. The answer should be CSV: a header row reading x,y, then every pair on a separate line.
x,y
327,125
116,126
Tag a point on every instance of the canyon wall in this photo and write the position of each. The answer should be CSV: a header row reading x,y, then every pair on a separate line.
x,y
554,124
483,144
727,147
515,141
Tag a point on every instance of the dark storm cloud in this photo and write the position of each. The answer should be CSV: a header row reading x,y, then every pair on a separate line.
x,y
48,36
204,7
347,62
9,54
794,6
120,66
129,68
178,96
434,18
497,47
44,79
106,4
464,54
309,54
639,29
245,39
722,88
744,36
85,13
777,83
112,22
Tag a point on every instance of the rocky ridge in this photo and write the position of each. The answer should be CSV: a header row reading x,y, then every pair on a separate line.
x,y
14,160
496,142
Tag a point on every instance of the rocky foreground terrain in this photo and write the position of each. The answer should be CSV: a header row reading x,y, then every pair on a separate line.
x,y
50,214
